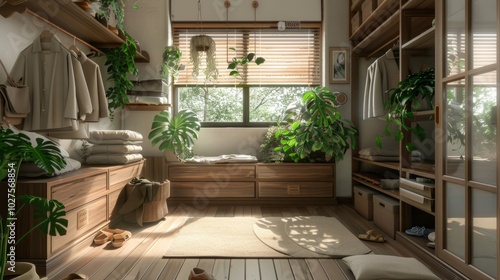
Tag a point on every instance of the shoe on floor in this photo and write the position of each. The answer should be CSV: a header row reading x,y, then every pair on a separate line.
x,y
419,231
103,236
200,274
120,236
372,235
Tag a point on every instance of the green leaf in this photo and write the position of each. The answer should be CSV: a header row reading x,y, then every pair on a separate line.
x,y
259,60
232,65
234,73
250,56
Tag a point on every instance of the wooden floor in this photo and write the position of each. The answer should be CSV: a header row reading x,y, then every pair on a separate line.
x,y
141,256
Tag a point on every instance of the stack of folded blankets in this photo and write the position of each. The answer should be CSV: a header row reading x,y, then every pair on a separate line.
x,y
115,147
386,155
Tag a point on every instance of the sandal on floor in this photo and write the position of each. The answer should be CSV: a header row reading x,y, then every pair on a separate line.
x,y
103,236
120,237
371,235
74,276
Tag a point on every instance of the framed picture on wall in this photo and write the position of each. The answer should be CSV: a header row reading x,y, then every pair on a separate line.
x,y
340,65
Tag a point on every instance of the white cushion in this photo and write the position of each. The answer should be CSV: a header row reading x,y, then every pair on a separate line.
x,y
387,267
115,134
33,136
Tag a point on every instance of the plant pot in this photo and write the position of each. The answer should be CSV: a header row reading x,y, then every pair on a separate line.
x,y
202,43
24,271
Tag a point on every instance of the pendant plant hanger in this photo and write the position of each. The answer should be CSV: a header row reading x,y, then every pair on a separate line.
x,y
201,46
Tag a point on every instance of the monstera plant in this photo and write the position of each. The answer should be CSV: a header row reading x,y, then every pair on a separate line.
x,y
176,133
315,130
16,148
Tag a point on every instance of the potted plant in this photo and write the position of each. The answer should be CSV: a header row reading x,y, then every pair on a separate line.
x,y
412,93
120,62
14,149
199,46
315,130
171,63
176,133
242,61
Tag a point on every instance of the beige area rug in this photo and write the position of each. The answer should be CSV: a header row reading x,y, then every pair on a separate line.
x,y
250,237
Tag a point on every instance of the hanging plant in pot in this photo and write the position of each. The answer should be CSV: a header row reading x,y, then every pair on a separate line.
x,y
203,46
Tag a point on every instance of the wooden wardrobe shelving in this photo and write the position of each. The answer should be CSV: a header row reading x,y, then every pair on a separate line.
x,y
70,19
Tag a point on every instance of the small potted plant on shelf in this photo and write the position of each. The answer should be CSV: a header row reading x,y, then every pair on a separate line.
x,y
315,130
176,133
14,149
416,92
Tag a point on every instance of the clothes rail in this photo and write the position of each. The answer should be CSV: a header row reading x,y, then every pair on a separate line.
x,y
65,32
383,47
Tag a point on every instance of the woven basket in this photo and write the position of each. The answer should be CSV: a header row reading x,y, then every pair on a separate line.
x,y
154,210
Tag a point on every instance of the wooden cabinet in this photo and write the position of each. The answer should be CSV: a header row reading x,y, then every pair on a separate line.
x,y
252,183
89,195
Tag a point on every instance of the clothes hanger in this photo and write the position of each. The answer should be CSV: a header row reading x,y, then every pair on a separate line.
x,y
74,47
46,36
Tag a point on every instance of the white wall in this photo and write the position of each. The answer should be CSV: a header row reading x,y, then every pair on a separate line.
x,y
242,10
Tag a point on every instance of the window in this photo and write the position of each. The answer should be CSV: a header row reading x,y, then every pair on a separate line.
x,y
262,93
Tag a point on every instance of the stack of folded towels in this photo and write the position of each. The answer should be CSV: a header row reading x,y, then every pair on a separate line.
x,y
386,155
115,147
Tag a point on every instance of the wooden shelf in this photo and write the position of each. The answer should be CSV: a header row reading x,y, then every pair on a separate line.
x,y
380,27
391,193
146,107
419,4
423,41
70,19
390,165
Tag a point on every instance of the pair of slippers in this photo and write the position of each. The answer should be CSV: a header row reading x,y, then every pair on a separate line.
x,y
118,237
372,235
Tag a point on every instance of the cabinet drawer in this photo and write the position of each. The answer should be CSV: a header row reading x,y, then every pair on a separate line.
x,y
212,189
118,178
75,193
115,198
223,172
81,220
417,200
309,172
295,189
424,189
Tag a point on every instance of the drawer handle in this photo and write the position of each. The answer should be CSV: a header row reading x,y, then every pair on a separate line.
x,y
360,193
381,204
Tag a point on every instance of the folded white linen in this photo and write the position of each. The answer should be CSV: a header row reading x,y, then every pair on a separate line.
x,y
113,158
115,149
232,158
116,134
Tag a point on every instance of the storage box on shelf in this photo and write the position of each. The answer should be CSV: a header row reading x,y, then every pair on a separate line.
x,y
363,201
386,214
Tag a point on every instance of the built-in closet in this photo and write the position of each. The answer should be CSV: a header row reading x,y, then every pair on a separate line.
x,y
458,198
